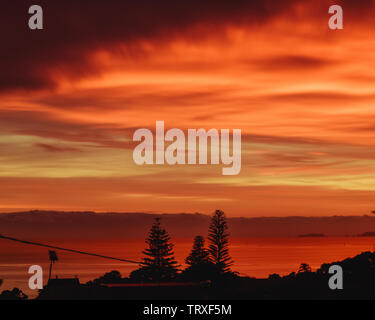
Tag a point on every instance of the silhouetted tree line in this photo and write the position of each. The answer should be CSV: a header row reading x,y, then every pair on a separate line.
x,y
15,294
213,262
203,263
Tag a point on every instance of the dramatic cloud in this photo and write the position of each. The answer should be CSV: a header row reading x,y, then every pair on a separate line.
x,y
72,94
75,30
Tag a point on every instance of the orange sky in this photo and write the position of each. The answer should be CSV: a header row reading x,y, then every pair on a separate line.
x,y
72,95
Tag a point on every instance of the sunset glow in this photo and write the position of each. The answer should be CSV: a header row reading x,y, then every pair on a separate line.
x,y
301,93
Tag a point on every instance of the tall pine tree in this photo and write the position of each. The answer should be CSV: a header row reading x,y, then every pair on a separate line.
x,y
199,265
198,254
159,263
218,238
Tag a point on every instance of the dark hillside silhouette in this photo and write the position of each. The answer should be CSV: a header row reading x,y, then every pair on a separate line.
x,y
359,281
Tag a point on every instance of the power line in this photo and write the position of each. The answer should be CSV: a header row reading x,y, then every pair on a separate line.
x,y
64,249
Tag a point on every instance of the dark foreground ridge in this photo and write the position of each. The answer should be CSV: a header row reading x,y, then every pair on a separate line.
x,y
208,274
359,282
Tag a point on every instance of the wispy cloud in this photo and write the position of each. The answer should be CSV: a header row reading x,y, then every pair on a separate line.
x,y
72,96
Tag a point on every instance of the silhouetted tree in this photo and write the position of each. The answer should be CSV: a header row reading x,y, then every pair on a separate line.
x,y
52,258
274,276
110,277
218,237
159,263
200,267
198,254
304,267
15,294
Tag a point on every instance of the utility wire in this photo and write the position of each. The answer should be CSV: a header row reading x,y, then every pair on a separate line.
x,y
64,249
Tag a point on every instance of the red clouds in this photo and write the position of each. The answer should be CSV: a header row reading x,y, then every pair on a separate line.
x,y
302,94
